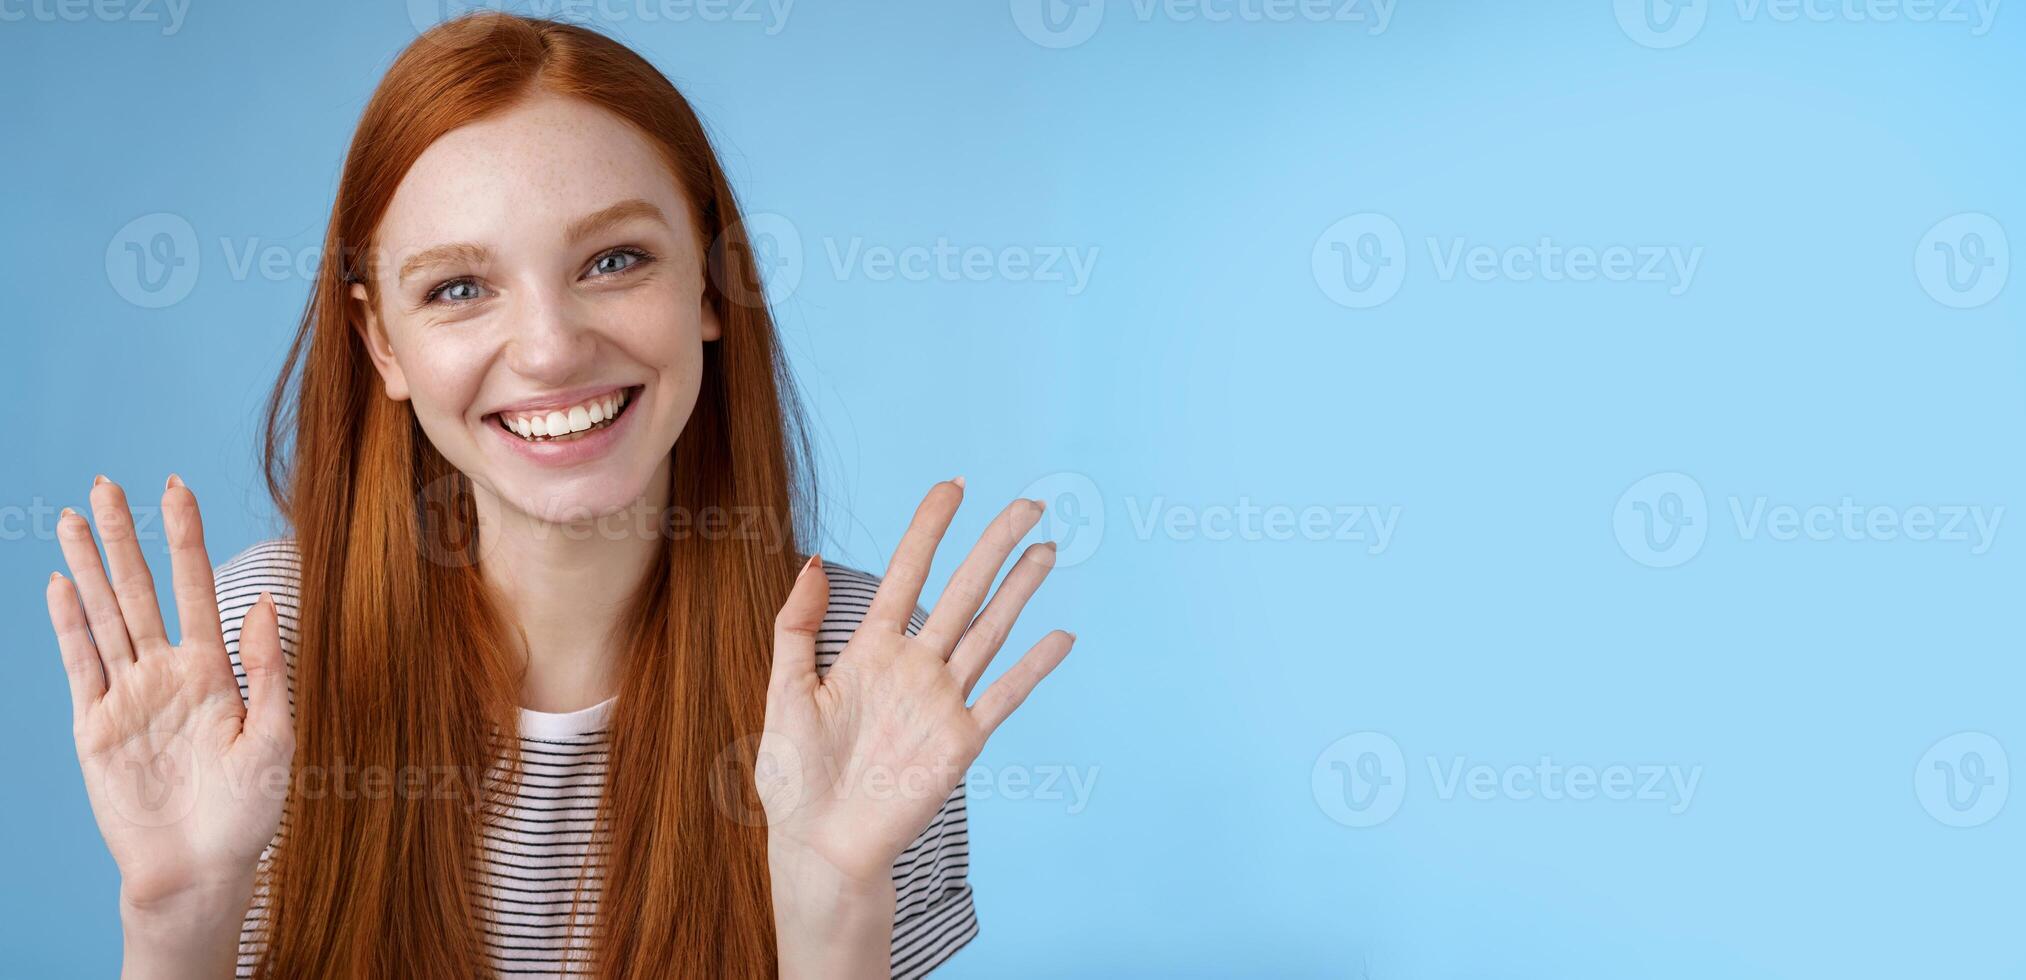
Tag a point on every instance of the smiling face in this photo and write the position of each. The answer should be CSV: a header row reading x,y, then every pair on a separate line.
x,y
539,300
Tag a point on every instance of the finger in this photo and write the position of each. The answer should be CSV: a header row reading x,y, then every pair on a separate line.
x,y
796,625
1018,681
901,588
266,670
973,579
190,566
73,637
988,632
101,609
133,585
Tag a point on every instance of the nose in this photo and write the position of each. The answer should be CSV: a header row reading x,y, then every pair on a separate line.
x,y
549,342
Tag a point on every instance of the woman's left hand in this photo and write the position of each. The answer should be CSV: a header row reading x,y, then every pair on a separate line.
x,y
855,763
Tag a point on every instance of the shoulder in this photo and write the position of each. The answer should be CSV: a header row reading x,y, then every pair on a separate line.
x,y
934,911
851,592
272,566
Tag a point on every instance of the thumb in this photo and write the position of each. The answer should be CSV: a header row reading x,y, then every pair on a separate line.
x,y
267,710
796,625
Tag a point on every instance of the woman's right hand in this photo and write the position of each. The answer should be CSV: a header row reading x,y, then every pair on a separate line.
x,y
187,781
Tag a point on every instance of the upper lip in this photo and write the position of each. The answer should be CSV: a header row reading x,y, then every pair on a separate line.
x,y
559,400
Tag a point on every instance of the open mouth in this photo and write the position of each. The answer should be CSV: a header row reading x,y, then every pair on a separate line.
x,y
570,423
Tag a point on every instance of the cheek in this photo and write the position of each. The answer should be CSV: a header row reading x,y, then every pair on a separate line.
x,y
444,376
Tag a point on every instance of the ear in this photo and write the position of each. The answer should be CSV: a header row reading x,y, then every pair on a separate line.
x,y
712,329
374,333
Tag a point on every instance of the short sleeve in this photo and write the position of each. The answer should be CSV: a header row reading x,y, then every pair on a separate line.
x,y
271,567
934,916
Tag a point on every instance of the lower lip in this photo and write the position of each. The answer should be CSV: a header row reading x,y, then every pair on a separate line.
x,y
582,449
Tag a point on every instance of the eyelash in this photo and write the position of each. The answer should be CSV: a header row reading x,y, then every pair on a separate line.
x,y
640,257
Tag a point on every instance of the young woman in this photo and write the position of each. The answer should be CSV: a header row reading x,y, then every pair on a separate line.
x,y
540,682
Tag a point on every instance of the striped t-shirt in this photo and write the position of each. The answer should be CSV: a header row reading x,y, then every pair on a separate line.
x,y
534,854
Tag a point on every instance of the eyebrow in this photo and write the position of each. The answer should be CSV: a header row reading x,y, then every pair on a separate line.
x,y
471,253
604,218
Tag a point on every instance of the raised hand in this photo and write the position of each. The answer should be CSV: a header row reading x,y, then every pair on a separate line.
x,y
855,763
186,782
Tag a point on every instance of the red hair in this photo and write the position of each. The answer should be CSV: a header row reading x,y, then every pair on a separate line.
x,y
402,657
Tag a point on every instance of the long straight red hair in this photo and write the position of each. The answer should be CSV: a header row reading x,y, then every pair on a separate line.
x,y
403,658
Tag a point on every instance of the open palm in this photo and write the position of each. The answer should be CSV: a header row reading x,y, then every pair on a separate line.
x,y
855,762
186,782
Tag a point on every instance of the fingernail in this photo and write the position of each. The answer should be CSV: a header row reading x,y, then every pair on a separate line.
x,y
101,478
807,565
1072,636
174,482
1050,545
53,576
67,512
959,481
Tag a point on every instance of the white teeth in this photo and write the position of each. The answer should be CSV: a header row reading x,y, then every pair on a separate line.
x,y
566,421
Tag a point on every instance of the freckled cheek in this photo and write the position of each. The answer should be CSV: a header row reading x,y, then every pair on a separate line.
x,y
660,328
446,378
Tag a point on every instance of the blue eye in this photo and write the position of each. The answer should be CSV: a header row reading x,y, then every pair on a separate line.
x,y
616,261
455,291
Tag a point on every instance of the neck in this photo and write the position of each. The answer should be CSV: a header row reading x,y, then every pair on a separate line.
x,y
566,586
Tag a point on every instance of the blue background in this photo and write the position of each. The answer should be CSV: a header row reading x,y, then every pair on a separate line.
x,y
1513,615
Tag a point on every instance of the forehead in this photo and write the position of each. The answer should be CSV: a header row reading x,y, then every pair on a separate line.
x,y
524,174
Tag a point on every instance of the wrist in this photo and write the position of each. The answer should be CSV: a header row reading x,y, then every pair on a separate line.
x,y
828,923
191,932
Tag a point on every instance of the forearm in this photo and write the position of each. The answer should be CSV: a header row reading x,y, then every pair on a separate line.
x,y
826,925
191,936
